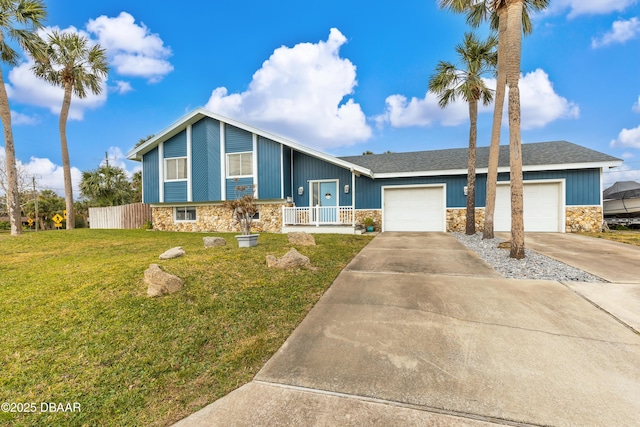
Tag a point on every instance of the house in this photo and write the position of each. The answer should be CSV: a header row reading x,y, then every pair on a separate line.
x,y
196,163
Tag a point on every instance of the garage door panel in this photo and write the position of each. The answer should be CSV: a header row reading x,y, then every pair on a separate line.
x,y
414,209
542,207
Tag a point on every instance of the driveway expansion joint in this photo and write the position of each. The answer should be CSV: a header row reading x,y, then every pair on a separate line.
x,y
431,409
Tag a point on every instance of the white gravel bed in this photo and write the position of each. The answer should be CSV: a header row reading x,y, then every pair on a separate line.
x,y
534,266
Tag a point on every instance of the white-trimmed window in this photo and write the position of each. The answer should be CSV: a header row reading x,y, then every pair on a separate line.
x,y
175,169
184,214
239,165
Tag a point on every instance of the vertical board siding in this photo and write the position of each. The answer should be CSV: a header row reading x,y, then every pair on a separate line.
x,y
582,186
151,177
307,168
120,217
205,146
286,165
369,191
175,191
269,169
176,146
233,183
237,140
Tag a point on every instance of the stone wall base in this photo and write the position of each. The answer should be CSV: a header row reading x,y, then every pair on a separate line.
x,y
212,218
583,218
216,218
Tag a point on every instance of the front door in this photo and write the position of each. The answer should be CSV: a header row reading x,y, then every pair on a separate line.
x,y
324,198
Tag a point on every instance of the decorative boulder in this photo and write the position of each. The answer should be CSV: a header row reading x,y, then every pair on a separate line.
x,y
212,242
160,282
173,253
292,259
300,238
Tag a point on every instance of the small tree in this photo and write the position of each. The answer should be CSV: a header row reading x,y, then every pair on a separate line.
x,y
243,207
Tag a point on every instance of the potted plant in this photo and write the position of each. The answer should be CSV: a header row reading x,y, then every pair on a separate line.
x,y
243,209
368,223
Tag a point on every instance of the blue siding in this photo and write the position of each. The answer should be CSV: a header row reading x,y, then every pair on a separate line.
x,y
233,183
205,146
269,170
307,168
237,140
151,177
582,187
286,164
369,191
176,146
175,191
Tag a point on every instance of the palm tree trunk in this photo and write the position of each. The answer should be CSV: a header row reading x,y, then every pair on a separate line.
x,y
13,194
494,150
514,50
471,168
66,164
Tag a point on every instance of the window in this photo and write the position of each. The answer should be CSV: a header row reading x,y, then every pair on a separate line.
x,y
185,213
240,164
175,169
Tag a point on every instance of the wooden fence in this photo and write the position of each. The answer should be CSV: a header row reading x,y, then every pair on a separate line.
x,y
125,216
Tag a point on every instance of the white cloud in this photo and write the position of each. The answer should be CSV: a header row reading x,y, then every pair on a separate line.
x,y
540,105
627,138
590,7
627,155
300,92
621,32
121,87
636,106
133,49
22,119
25,88
49,176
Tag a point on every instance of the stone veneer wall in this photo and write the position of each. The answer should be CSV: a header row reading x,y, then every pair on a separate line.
x,y
457,220
212,218
583,218
375,214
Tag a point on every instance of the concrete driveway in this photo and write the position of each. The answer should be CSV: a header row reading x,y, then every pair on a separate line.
x,y
617,263
417,330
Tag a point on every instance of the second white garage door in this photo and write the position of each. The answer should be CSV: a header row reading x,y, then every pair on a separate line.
x,y
543,207
414,208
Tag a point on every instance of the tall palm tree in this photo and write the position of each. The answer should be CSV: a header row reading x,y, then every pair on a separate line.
x,y
496,11
19,20
76,67
478,59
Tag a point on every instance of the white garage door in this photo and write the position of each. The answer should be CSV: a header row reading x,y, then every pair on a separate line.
x,y
543,207
414,209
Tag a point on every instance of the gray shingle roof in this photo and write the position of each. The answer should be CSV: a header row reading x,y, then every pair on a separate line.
x,y
539,153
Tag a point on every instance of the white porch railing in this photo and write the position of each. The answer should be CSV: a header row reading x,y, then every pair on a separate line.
x,y
318,215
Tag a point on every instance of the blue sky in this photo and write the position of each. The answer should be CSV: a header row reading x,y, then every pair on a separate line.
x,y
342,77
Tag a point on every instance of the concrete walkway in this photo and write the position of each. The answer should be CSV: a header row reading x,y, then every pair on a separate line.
x,y
417,330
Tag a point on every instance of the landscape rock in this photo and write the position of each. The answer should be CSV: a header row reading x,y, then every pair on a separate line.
x,y
292,259
300,238
160,282
212,242
173,253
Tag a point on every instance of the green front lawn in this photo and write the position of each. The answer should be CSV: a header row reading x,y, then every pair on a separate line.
x,y
631,237
78,328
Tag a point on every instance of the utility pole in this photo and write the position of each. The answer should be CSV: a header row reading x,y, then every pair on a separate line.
x,y
33,180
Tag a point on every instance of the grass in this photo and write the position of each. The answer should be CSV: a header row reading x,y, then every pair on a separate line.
x,y
631,237
77,325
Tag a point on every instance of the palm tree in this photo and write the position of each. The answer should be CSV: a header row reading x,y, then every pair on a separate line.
x,y
19,20
497,11
106,186
478,58
71,64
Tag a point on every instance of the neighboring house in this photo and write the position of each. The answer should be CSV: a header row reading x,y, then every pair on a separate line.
x,y
195,164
